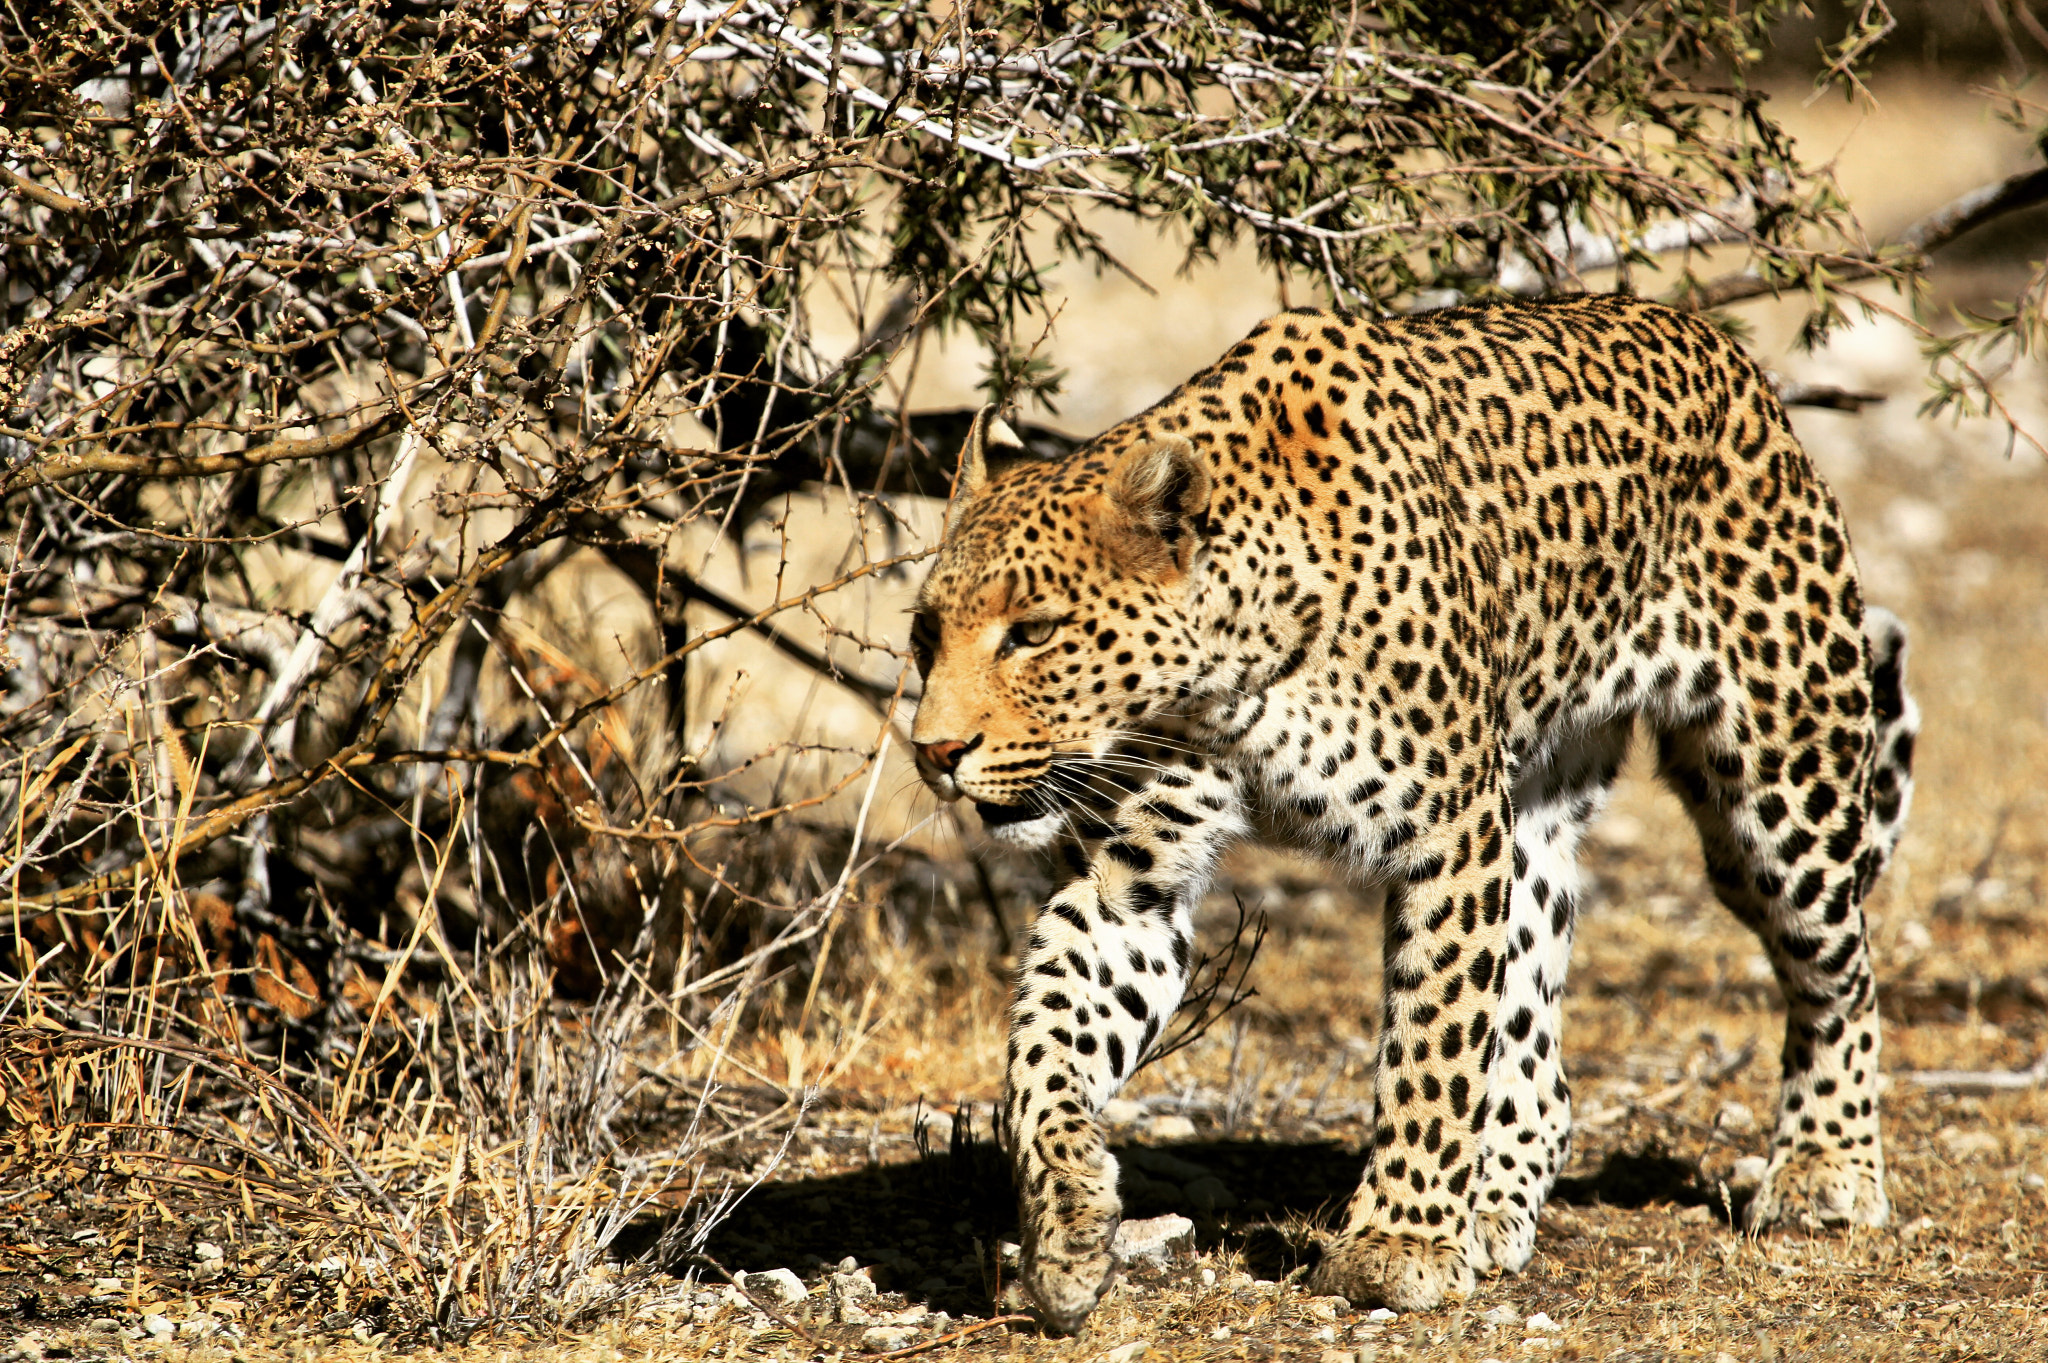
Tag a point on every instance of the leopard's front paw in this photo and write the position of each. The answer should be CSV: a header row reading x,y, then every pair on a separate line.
x,y
1396,1269
1503,1241
1066,1282
1815,1188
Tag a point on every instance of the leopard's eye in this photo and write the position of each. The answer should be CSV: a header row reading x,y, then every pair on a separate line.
x,y
1029,634
924,641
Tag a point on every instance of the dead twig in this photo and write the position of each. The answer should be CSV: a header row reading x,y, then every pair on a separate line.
x,y
1981,1081
953,1336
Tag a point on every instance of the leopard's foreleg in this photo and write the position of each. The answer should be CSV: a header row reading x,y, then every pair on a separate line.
x,y
1102,971
1405,1237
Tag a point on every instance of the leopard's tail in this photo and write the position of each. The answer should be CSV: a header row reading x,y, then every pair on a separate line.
x,y
1897,727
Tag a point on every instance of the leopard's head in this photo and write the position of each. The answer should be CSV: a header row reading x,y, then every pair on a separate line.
x,y
1053,621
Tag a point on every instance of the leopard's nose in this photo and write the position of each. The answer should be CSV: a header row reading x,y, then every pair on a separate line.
x,y
944,755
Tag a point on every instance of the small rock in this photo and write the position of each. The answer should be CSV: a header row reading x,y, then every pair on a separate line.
x,y
1221,1332
1123,1112
1967,1145
1324,1308
330,1268
1010,1253
1725,1357
105,1325
1155,1240
1339,1356
2034,1181
102,1286
777,1285
1208,1195
914,1315
850,1295
1748,1172
1736,1119
1542,1322
1128,1353
206,1249
159,1327
883,1338
201,1326
1208,1277
1381,1313
848,1264
1170,1126
1327,1335
1501,1315
1696,1215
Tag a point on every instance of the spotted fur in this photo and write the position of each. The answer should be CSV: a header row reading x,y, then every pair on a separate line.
x,y
1406,588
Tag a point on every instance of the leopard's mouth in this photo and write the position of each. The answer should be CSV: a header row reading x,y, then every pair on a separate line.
x,y
1034,823
998,816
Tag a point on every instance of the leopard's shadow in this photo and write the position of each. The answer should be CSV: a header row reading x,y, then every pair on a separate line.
x,y
930,1228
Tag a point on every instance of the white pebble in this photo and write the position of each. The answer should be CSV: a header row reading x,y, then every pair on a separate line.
x,y
1542,1321
884,1338
777,1285
1736,1119
1154,1240
1502,1315
1382,1313
159,1327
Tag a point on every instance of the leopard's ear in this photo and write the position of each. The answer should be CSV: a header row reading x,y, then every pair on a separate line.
x,y
1163,487
990,443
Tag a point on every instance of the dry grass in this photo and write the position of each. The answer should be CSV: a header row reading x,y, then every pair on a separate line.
x,y
358,1243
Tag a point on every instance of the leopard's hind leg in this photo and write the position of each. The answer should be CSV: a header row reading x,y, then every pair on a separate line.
x,y
1798,776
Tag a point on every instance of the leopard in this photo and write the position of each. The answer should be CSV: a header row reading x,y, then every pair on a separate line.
x,y
1400,590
